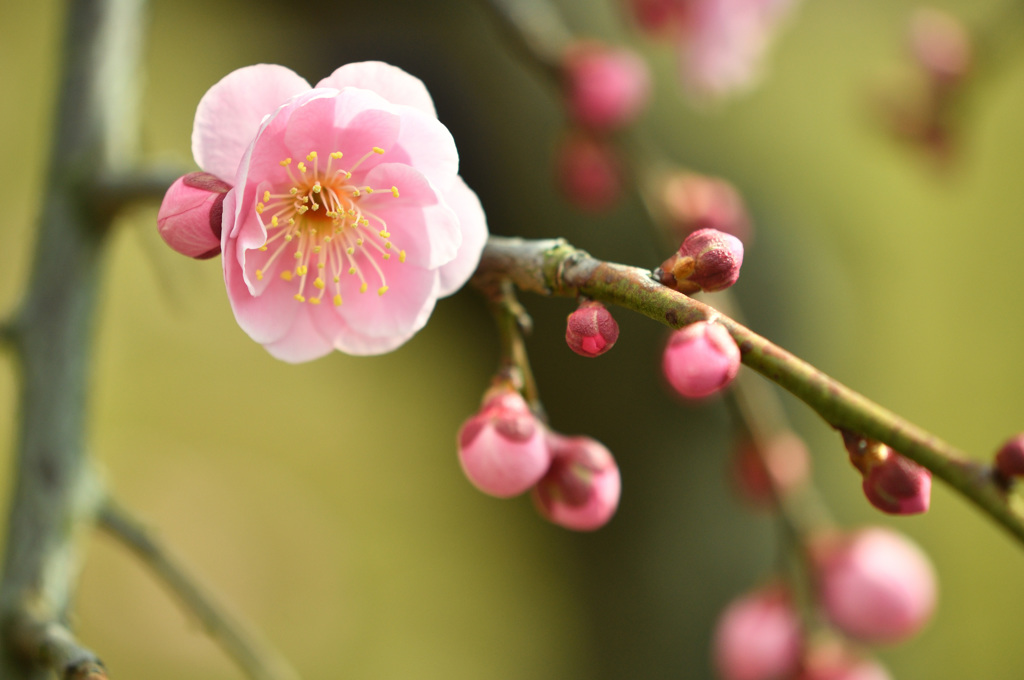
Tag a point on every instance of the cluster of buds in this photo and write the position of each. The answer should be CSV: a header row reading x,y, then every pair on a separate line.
x,y
708,260
874,586
892,483
605,89
505,451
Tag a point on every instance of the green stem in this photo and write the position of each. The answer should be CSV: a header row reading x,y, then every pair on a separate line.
x,y
552,267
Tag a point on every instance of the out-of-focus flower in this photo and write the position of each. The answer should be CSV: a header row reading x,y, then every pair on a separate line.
x,y
348,187
777,466
581,488
700,359
605,88
758,637
691,201
875,584
588,172
502,448
590,331
833,661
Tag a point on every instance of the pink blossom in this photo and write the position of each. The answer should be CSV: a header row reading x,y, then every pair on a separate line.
x,y
347,219
875,585
581,489
758,637
722,42
502,448
606,88
589,172
700,359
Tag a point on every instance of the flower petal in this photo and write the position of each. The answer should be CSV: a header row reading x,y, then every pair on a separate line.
x,y
390,82
427,145
265,318
400,312
230,113
473,224
302,342
419,221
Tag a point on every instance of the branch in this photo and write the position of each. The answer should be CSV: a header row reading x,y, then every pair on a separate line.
x,y
53,646
553,267
254,657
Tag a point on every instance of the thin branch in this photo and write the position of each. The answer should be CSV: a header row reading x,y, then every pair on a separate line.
x,y
51,645
552,267
115,191
254,657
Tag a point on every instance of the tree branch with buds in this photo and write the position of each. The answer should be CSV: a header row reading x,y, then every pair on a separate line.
x,y
553,267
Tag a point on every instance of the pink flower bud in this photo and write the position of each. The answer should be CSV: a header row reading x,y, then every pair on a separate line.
x,y
892,483
658,16
692,201
1010,458
591,331
700,359
190,215
832,661
588,172
875,584
758,637
581,489
502,448
780,465
606,88
717,258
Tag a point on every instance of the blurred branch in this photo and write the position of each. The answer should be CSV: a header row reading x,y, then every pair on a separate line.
x,y
553,267
116,191
53,646
253,656
535,29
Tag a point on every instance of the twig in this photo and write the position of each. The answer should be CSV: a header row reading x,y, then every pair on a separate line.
x,y
552,267
254,657
114,192
53,646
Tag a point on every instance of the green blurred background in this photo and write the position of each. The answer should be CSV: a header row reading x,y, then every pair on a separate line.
x,y
325,502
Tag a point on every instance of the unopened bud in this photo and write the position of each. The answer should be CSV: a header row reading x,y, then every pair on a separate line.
x,y
875,584
1010,458
892,483
581,489
940,44
758,637
502,448
190,215
700,359
591,331
708,260
588,172
605,88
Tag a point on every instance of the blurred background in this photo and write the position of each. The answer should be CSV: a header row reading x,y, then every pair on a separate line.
x,y
325,502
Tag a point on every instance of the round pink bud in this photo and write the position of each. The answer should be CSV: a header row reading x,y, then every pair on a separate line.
x,y
588,172
591,331
832,661
700,359
190,215
605,88
502,448
716,259
875,584
581,489
1010,458
758,637
692,201
776,467
658,16
898,486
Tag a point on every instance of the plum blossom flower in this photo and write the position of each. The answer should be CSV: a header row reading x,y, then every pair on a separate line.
x,y
347,218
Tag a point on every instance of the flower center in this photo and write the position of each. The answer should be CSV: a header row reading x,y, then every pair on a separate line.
x,y
318,220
